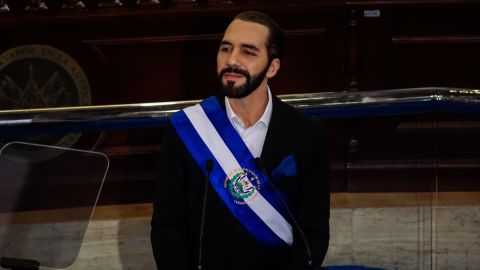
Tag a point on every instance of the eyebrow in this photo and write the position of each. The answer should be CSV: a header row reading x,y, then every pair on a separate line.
x,y
248,46
224,42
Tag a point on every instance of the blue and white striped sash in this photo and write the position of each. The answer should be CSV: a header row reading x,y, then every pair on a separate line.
x,y
208,134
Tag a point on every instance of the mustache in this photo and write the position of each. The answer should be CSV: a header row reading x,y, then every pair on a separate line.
x,y
234,70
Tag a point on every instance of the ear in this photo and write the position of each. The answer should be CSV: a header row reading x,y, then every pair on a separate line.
x,y
273,69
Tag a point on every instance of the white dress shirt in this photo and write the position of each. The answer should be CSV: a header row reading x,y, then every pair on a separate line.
x,y
254,136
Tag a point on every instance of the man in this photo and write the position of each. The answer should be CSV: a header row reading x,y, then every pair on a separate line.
x,y
242,142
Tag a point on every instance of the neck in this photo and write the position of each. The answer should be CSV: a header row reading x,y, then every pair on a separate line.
x,y
251,107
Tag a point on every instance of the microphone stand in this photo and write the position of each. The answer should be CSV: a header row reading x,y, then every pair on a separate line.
x,y
208,169
261,166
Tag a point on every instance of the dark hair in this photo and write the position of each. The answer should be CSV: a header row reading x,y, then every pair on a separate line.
x,y
275,33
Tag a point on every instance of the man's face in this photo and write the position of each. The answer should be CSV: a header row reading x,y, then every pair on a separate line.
x,y
242,59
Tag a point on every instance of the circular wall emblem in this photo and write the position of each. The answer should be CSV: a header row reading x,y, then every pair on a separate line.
x,y
41,76
242,185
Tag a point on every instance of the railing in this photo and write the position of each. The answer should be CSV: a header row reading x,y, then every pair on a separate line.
x,y
321,105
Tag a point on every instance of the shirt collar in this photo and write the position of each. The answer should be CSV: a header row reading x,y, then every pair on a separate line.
x,y
267,114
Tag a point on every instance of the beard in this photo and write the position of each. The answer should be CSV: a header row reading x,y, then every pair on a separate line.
x,y
241,91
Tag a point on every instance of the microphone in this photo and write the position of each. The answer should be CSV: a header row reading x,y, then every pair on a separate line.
x,y
261,166
208,169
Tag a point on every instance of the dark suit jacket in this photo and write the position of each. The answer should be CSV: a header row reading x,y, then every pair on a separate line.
x,y
227,245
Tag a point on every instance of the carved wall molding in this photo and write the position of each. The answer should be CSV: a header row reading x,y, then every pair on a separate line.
x,y
36,5
4,6
436,39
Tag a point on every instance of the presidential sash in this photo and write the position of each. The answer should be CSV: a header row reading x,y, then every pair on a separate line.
x,y
244,189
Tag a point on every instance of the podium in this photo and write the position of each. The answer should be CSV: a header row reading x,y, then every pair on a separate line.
x,y
48,195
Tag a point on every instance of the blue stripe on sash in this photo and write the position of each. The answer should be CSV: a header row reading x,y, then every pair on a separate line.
x,y
201,154
194,143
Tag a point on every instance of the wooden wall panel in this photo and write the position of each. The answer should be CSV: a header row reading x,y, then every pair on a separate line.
x,y
309,52
419,149
437,63
415,44
158,69
405,44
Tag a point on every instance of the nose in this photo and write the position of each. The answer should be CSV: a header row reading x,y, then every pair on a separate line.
x,y
233,58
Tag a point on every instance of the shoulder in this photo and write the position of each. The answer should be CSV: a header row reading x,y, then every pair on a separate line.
x,y
295,118
171,144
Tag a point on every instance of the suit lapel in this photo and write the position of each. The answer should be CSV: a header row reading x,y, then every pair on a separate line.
x,y
274,147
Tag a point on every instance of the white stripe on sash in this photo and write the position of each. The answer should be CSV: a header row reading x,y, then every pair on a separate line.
x,y
260,206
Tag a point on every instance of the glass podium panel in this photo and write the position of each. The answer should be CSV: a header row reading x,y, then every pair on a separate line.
x,y
381,230
48,197
457,230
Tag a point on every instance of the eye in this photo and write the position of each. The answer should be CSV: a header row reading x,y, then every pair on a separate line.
x,y
225,49
250,52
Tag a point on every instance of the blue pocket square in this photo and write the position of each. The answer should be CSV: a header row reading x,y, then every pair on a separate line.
x,y
287,167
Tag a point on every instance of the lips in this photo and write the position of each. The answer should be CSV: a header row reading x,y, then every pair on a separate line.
x,y
229,76
234,74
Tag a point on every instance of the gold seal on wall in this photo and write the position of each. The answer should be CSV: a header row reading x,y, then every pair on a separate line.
x,y
41,76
